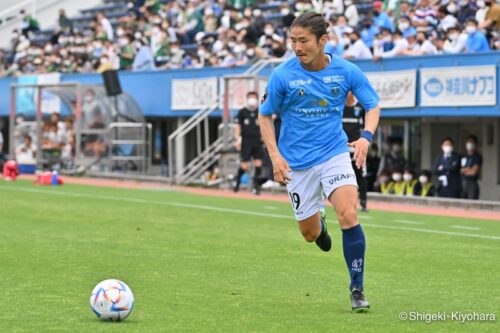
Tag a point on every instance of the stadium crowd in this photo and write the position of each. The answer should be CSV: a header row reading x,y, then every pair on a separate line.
x,y
157,34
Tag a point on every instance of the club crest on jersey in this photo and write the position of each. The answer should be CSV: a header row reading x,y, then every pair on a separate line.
x,y
335,91
302,92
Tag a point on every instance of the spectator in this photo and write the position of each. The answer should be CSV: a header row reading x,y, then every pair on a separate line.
x,y
63,22
456,41
404,25
385,184
422,46
143,60
424,187
409,182
372,165
398,187
393,159
341,27
25,151
468,9
104,23
447,168
425,17
446,20
369,32
477,41
380,18
357,49
491,22
400,46
333,45
28,24
287,15
351,13
471,167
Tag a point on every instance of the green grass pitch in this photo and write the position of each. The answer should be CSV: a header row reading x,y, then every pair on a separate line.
x,y
208,264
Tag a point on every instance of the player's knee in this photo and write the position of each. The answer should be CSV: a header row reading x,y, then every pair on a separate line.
x,y
310,235
347,216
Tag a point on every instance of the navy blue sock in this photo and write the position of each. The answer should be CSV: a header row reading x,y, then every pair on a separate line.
x,y
353,240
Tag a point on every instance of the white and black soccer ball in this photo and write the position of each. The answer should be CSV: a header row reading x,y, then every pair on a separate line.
x,y
112,300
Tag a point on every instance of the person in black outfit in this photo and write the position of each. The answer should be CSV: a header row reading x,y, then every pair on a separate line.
x,y
471,166
248,141
394,159
353,124
447,168
372,164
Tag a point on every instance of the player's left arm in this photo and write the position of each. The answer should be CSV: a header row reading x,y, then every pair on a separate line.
x,y
364,92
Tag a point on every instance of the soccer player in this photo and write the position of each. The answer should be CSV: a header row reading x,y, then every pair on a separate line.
x,y
309,92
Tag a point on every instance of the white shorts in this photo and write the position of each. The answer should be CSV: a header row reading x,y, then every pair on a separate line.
x,y
308,188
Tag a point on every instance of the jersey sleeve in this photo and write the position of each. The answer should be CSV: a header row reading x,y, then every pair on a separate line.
x,y
273,96
363,90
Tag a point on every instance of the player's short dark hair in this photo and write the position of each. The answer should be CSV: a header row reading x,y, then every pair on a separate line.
x,y
252,93
313,21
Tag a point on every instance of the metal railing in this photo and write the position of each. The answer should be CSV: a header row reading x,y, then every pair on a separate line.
x,y
206,153
135,135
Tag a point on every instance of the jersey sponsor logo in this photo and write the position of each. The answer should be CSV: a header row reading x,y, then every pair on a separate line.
x,y
297,83
338,178
318,102
316,113
333,78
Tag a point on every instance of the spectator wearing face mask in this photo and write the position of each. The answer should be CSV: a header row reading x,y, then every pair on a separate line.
x,y
446,20
456,41
410,182
369,32
476,41
357,49
398,187
447,168
422,46
424,187
404,25
400,46
471,166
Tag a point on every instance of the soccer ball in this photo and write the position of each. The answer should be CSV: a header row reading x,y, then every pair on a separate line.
x,y
112,300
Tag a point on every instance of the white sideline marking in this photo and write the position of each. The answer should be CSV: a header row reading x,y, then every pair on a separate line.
x,y
270,207
464,227
364,217
430,231
236,211
408,222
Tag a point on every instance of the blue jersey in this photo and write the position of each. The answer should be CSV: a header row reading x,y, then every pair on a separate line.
x,y
310,104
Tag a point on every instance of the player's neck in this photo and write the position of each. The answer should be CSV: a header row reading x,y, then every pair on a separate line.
x,y
318,64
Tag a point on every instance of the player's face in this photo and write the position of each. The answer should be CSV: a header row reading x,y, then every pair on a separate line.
x,y
306,46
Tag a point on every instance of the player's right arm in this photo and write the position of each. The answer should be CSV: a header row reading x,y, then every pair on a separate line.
x,y
280,166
